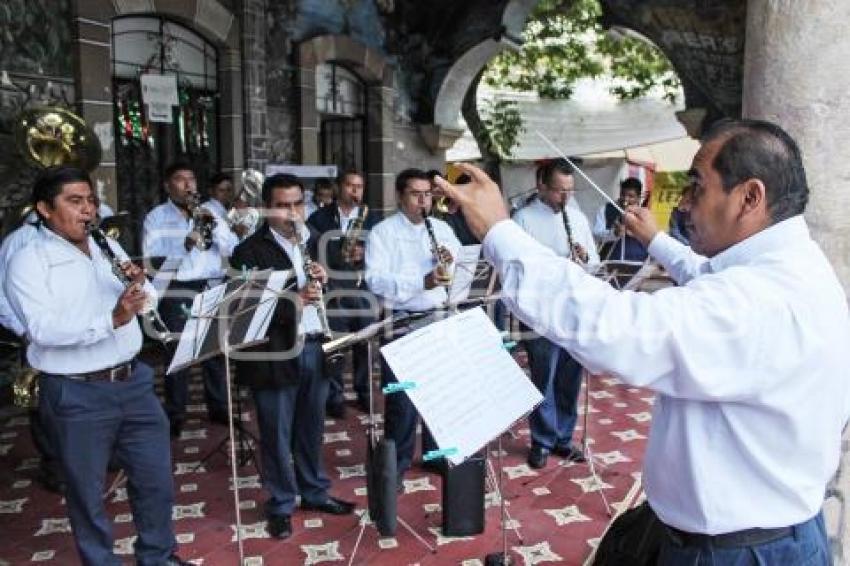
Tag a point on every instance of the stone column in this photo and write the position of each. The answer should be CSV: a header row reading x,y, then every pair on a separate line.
x,y
796,74
254,76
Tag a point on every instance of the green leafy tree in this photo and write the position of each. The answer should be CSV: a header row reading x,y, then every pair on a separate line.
x,y
564,42
503,123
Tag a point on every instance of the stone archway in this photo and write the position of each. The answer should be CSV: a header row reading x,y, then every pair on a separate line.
x,y
93,72
444,130
371,67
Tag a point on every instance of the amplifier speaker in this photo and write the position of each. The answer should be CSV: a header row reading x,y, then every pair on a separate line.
x,y
463,498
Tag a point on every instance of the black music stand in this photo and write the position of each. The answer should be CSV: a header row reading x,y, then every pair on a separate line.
x,y
227,318
381,477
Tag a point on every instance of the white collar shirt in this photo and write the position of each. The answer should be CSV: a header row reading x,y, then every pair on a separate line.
x,y
345,220
13,242
64,300
215,206
747,359
309,315
547,227
165,231
398,257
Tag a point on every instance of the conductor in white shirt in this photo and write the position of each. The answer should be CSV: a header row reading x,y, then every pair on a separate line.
x,y
94,396
747,355
402,271
564,230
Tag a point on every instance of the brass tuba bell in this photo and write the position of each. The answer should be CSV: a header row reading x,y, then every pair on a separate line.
x,y
49,136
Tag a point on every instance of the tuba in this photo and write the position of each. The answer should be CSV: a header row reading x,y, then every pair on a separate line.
x,y
49,136
252,187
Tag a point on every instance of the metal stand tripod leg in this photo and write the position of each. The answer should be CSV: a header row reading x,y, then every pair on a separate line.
x,y
371,435
504,516
553,475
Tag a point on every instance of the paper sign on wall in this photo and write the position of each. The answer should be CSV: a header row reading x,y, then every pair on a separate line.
x,y
159,94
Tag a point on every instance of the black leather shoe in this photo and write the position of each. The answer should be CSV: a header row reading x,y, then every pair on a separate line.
x,y
279,526
570,452
175,560
537,457
331,505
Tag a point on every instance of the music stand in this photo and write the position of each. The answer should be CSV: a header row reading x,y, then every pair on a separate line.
x,y
381,493
227,318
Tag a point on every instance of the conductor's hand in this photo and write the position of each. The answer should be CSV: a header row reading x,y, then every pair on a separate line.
x,y
640,224
318,273
129,304
311,292
133,272
480,199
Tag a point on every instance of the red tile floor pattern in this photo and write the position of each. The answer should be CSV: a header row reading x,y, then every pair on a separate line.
x,y
558,511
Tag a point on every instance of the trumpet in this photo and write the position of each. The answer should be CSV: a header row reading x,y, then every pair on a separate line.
x,y
149,314
352,233
252,186
437,250
203,221
320,303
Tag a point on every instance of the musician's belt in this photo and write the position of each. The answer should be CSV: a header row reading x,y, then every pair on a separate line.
x,y
737,539
121,372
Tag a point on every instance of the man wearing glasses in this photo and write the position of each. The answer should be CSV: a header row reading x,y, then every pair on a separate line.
x,y
565,230
403,272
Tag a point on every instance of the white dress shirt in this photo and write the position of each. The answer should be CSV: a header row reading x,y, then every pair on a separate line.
x,y
398,256
345,220
64,300
13,242
309,315
547,227
215,206
601,231
747,358
165,232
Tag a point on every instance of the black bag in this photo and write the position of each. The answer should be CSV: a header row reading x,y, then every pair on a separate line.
x,y
634,539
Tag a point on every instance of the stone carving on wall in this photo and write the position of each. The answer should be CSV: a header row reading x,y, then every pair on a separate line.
x,y
35,36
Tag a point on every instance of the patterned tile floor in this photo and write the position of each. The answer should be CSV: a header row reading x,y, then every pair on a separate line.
x,y
558,511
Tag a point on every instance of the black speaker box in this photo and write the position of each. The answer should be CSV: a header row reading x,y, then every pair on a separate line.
x,y
463,498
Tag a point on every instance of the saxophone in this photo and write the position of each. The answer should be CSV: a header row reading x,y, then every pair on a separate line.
x,y
320,303
148,314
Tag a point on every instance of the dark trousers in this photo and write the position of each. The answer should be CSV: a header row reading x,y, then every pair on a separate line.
x,y
807,546
173,313
342,318
292,425
86,422
558,378
400,420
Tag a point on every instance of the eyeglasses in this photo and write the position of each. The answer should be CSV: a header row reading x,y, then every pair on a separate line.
x,y
417,194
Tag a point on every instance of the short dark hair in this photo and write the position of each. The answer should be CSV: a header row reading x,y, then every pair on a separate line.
x,y
757,149
343,173
49,184
555,166
220,178
323,183
408,175
631,183
279,181
177,165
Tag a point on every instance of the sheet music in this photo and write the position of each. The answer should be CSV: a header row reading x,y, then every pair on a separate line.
x,y
165,274
204,306
464,273
468,387
268,300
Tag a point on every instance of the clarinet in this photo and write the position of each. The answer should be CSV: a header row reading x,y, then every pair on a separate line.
x,y
320,303
435,247
148,313
349,239
569,230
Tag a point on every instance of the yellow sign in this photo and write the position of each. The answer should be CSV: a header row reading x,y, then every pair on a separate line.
x,y
666,191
